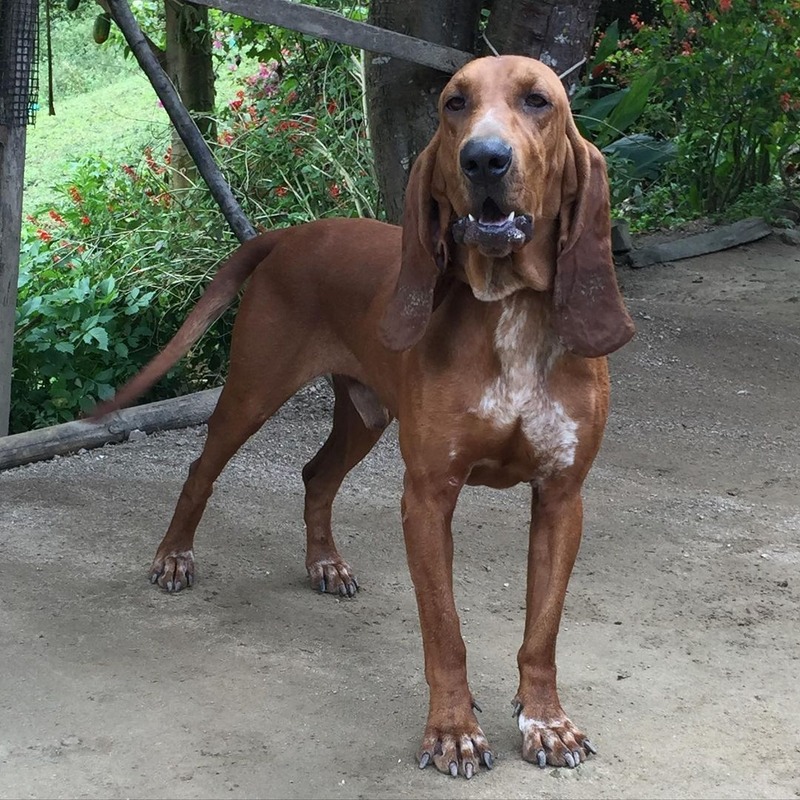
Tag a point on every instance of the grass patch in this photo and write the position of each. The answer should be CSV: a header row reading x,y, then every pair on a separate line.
x,y
109,121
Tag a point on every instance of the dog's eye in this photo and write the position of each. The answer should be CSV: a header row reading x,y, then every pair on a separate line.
x,y
536,100
455,103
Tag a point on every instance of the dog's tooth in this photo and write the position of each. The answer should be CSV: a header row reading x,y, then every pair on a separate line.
x,y
511,216
470,218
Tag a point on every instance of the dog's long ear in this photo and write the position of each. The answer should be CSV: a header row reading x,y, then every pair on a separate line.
x,y
423,259
590,314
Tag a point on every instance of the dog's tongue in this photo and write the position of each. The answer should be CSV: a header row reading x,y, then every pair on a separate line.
x,y
493,234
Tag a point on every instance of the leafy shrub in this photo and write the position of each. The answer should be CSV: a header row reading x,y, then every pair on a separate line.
x,y
101,289
727,88
109,272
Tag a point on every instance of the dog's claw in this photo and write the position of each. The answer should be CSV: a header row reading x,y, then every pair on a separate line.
x,y
570,760
488,760
477,707
469,770
589,747
576,754
541,759
453,768
153,577
517,708
424,760
322,586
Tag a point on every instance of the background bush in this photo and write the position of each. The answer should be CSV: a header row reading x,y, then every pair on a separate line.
x,y
109,269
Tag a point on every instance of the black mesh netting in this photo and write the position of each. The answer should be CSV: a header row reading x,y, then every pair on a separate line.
x,y
19,73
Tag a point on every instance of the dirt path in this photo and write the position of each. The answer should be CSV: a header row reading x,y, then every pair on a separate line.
x,y
679,652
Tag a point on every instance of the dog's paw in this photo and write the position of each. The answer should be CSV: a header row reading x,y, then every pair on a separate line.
x,y
457,750
332,575
174,571
554,741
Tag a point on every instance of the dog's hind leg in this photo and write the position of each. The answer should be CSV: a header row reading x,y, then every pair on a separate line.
x,y
358,423
234,420
260,380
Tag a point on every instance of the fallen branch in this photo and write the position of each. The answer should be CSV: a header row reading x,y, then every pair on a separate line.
x,y
58,440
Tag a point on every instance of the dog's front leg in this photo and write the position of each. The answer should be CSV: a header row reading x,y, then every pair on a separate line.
x,y
549,736
453,739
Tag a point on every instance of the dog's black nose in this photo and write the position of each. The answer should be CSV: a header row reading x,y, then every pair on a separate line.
x,y
485,161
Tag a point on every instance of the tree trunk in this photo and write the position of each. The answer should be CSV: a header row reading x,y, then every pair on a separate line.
x,y
557,33
189,66
401,96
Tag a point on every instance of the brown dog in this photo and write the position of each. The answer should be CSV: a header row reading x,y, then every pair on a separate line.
x,y
482,328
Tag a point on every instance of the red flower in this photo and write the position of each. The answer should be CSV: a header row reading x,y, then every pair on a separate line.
x,y
292,97
686,49
334,191
235,104
286,124
682,4
785,101
130,172
56,217
281,191
75,194
85,220
725,5
636,22
332,106
43,235
225,138
168,155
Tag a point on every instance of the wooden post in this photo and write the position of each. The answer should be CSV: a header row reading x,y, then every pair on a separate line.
x,y
17,53
12,168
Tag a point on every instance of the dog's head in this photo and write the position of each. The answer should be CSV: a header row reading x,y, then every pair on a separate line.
x,y
509,190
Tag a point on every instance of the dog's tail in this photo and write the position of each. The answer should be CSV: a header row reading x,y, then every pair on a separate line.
x,y
217,297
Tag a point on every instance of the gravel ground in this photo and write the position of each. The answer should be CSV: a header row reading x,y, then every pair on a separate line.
x,y
679,648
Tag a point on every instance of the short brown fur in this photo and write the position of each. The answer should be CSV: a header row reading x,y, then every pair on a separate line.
x,y
493,367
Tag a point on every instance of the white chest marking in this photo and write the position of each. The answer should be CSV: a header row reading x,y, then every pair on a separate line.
x,y
520,393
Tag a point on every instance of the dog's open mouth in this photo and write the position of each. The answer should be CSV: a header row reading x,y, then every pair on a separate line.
x,y
494,232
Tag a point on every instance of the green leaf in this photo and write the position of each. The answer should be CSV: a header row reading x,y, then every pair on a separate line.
x,y
99,335
64,347
630,107
608,45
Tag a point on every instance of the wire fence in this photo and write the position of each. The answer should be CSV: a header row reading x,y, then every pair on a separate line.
x,y
19,62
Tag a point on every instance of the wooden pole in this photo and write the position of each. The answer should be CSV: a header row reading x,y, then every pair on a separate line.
x,y
12,169
336,28
69,437
17,52
184,124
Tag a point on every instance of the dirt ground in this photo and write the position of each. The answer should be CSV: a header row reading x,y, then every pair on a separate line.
x,y
679,652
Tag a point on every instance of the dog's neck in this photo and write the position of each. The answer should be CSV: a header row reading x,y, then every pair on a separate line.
x,y
532,267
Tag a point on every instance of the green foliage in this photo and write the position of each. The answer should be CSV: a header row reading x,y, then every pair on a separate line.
x,y
109,271
79,65
100,294
727,91
298,149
